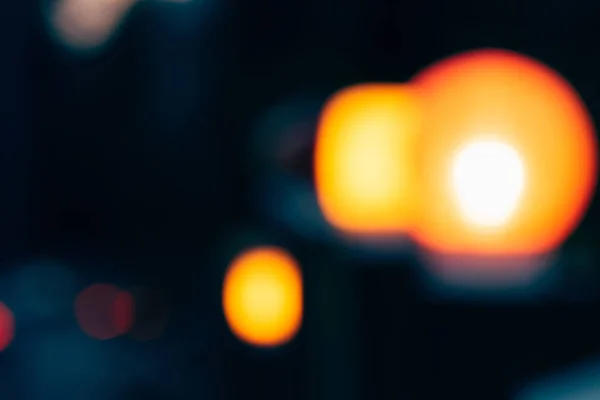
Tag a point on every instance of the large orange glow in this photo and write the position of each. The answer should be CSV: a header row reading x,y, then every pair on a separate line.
x,y
507,159
364,158
262,297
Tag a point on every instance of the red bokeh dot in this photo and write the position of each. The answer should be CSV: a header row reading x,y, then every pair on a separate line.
x,y
104,311
7,327
123,312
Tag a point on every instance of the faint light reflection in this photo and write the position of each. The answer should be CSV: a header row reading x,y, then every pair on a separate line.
x,y
579,383
491,278
43,289
151,314
85,24
104,311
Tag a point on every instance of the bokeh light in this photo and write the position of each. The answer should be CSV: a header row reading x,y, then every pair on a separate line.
x,y
488,178
263,297
364,159
507,161
87,24
104,311
7,326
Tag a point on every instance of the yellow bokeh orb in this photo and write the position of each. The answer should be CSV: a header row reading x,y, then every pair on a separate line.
x,y
364,159
262,297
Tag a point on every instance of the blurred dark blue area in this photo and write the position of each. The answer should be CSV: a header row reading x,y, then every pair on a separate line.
x,y
138,164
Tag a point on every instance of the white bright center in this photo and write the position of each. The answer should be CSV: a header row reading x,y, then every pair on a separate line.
x,y
488,178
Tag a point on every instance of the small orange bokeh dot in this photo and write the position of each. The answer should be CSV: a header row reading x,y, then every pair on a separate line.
x,y
506,107
262,297
364,159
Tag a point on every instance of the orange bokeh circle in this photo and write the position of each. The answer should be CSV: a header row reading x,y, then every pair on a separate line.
x,y
263,296
512,99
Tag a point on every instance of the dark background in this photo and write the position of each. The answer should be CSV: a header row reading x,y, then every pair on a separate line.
x,y
132,164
